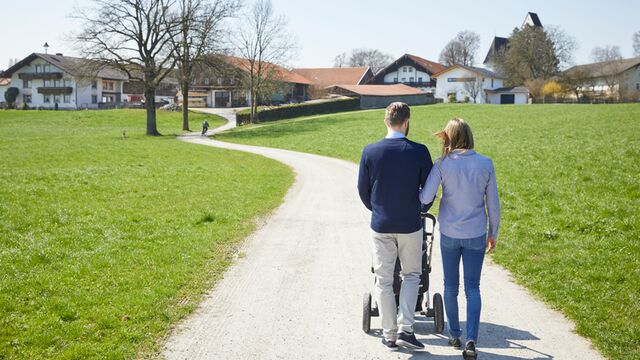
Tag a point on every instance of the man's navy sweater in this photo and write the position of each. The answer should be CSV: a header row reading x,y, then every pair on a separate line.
x,y
391,174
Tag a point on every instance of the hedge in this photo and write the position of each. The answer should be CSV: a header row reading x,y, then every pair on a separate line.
x,y
297,110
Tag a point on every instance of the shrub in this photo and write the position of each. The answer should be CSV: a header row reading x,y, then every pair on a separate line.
x,y
467,99
11,95
452,98
297,110
25,106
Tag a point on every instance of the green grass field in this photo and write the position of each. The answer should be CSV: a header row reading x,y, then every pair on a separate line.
x,y
104,242
570,193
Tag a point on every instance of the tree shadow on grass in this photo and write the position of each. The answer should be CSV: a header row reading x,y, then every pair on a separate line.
x,y
492,336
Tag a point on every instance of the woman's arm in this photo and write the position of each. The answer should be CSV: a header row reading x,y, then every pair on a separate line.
x,y
493,204
428,192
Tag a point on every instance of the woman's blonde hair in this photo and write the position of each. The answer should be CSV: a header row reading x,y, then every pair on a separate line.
x,y
456,135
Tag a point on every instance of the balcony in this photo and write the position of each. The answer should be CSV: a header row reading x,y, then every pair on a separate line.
x,y
415,83
43,76
50,90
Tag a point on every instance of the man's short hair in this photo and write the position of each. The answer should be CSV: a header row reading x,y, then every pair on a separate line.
x,y
397,113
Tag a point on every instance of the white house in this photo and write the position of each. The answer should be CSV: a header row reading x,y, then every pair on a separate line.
x,y
4,85
409,70
482,85
614,78
48,81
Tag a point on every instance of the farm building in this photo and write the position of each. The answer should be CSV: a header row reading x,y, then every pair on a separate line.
x,y
379,96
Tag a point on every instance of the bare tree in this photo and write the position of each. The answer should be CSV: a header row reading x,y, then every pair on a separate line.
x,y
372,58
461,50
636,43
340,60
575,80
263,43
474,88
200,33
564,45
607,53
612,67
133,36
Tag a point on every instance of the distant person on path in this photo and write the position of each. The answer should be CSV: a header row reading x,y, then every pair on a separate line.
x,y
469,201
205,126
391,173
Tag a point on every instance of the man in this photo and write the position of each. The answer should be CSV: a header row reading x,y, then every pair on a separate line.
x,y
392,171
205,126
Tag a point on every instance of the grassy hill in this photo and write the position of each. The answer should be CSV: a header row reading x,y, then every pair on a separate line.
x,y
104,242
570,194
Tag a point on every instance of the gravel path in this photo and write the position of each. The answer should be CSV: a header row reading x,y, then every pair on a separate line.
x,y
297,294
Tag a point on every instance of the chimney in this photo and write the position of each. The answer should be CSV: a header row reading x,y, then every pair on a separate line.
x,y
58,54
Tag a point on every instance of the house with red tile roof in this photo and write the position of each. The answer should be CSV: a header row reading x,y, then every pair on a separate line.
x,y
325,77
221,82
410,70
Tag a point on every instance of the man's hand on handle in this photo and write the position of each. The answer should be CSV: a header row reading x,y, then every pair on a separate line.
x,y
491,245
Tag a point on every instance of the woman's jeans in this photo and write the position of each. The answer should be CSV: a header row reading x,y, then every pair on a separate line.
x,y
472,253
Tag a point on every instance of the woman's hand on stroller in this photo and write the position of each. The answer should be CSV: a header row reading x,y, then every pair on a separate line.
x,y
491,245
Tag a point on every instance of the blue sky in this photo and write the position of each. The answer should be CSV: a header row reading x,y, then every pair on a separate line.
x,y
325,28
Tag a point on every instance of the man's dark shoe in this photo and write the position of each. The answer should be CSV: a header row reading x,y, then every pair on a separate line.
x,y
409,341
391,345
456,343
470,352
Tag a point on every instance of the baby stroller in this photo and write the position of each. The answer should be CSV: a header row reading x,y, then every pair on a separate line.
x,y
423,306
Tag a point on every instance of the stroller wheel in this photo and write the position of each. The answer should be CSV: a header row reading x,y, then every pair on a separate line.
x,y
438,313
366,312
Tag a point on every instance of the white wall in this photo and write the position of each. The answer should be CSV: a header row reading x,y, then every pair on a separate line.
x,y
444,87
411,72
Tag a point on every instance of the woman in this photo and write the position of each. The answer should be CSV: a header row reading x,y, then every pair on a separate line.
x,y
468,187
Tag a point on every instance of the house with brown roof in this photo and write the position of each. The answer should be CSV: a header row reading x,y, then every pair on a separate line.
x,y
409,70
223,80
380,96
325,77
48,81
615,78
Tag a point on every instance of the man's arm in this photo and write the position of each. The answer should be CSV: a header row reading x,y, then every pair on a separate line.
x,y
425,170
364,181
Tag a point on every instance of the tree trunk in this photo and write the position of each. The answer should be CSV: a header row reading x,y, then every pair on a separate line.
x,y
185,105
150,104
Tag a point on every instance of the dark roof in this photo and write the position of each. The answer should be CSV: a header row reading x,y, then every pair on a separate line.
x,y
513,89
481,71
497,45
72,65
534,18
605,68
379,90
334,76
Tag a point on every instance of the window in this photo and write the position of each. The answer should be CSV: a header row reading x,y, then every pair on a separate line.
x,y
67,99
219,81
26,98
67,83
411,79
491,83
38,68
57,83
232,81
26,84
94,99
108,85
56,99
404,69
395,80
206,81
94,85
47,99
419,79
404,79
46,68
47,83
